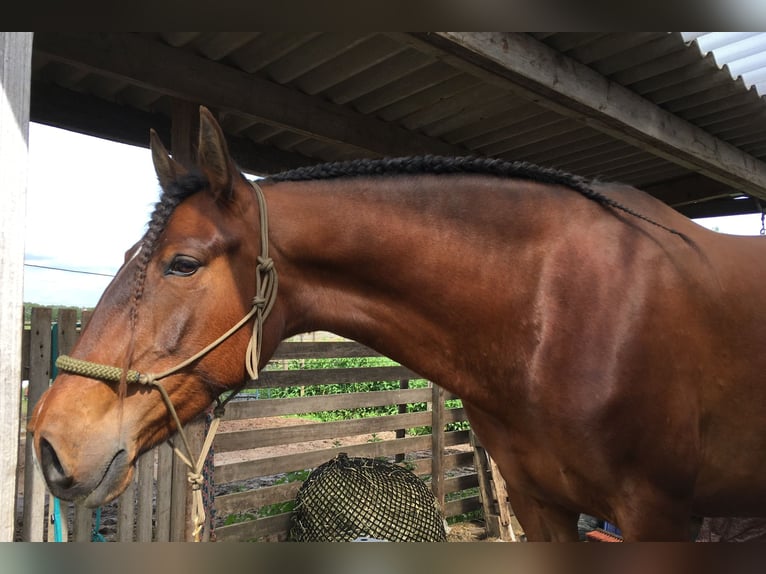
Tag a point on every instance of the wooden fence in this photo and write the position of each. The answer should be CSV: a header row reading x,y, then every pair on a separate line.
x,y
256,453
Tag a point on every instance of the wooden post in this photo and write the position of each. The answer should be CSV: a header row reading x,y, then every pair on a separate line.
x,y
39,380
144,506
164,491
15,74
437,445
402,409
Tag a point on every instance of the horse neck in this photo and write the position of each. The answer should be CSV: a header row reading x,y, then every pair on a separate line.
x,y
386,262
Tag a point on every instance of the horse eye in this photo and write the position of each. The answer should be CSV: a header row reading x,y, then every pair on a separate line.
x,y
183,266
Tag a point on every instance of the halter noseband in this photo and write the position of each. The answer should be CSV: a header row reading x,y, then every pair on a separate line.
x,y
265,296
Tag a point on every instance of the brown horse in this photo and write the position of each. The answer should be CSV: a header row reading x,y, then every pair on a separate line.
x,y
608,351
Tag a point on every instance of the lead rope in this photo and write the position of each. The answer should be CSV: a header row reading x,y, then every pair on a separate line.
x,y
266,282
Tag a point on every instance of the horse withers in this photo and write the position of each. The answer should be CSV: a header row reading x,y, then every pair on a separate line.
x,y
607,350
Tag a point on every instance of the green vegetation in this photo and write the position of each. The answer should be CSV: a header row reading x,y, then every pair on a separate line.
x,y
362,412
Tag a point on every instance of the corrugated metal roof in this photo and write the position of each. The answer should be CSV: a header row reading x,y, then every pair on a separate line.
x,y
422,97
743,54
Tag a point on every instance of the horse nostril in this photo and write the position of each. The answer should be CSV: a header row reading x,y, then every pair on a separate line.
x,y
51,465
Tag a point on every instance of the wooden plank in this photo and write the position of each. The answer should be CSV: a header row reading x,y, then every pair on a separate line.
x,y
255,529
339,376
537,71
126,513
144,496
182,74
256,498
67,330
459,483
481,463
247,409
437,445
39,380
91,115
422,467
301,461
233,472
178,494
461,506
165,458
503,503
256,438
15,73
82,525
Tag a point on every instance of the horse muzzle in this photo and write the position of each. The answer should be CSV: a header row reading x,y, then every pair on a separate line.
x,y
94,479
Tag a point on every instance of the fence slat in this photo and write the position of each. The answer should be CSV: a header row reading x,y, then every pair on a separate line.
x,y
256,438
39,380
165,458
251,409
437,445
312,459
145,496
340,376
126,513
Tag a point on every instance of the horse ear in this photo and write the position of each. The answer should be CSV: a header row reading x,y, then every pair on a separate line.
x,y
168,170
213,154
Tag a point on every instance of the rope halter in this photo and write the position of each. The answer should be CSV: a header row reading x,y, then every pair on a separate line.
x,y
263,302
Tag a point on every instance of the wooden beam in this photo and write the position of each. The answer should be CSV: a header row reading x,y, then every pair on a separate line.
x,y
15,75
179,73
551,79
690,189
89,115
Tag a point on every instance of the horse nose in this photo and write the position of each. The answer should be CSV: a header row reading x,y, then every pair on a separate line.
x,y
57,478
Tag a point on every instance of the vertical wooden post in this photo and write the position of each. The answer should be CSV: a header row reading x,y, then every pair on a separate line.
x,y
402,409
437,444
144,506
164,491
15,74
39,380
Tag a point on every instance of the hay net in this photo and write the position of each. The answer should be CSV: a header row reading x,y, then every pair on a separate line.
x,y
347,499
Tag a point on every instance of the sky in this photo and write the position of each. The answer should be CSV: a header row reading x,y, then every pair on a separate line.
x,y
89,200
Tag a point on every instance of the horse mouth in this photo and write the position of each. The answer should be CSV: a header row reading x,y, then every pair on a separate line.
x,y
113,482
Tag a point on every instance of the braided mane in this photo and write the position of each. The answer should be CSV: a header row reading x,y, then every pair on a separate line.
x,y
439,165
169,200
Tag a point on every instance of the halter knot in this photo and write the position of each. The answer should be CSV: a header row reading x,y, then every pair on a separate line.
x,y
195,479
146,379
265,264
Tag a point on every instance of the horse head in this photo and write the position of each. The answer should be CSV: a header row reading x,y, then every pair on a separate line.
x,y
191,278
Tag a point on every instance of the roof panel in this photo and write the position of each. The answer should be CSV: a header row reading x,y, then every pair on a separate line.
x,y
404,85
